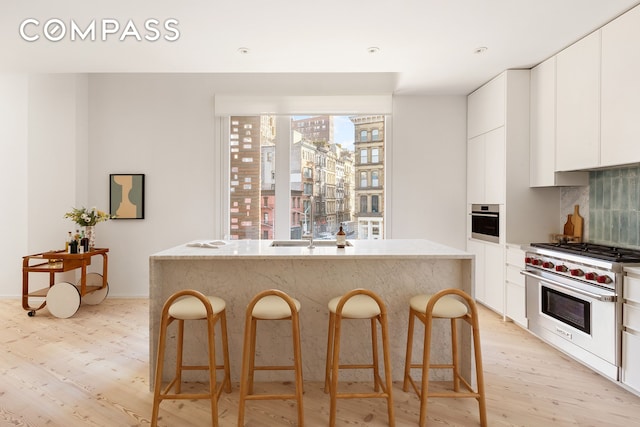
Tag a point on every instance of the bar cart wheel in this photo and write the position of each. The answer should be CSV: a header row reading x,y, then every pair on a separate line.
x,y
94,280
31,313
63,300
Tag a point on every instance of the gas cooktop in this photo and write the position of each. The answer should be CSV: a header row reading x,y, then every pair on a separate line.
x,y
593,250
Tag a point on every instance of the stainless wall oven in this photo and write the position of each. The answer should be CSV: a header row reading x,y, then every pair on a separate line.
x,y
485,222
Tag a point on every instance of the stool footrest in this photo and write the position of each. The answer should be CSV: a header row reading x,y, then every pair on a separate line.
x,y
270,397
361,395
274,368
355,366
186,396
200,368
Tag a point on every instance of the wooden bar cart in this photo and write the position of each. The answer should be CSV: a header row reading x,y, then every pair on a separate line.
x,y
63,298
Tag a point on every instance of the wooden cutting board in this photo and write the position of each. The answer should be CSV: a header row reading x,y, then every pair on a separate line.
x,y
578,222
568,226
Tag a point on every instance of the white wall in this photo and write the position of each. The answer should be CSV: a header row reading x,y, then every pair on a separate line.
x,y
43,120
427,196
163,125
13,181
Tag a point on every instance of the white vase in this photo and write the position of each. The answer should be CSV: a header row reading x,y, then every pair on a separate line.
x,y
90,233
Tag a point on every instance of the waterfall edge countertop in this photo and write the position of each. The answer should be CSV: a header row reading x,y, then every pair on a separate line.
x,y
396,270
388,248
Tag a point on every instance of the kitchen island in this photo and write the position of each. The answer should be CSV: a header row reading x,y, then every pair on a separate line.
x,y
236,271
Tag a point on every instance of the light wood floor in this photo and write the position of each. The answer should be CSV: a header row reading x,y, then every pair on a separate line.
x,y
92,370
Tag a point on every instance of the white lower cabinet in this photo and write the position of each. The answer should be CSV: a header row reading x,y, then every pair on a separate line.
x,y
489,274
631,331
515,303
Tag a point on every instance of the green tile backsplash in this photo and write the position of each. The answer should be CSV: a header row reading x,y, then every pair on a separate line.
x,y
614,207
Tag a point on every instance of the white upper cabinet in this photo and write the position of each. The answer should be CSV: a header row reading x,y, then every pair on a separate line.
x,y
543,131
486,168
621,90
486,107
578,105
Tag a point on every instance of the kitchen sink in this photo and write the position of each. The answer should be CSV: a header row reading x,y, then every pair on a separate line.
x,y
302,243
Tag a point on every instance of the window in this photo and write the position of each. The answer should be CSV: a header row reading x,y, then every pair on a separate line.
x,y
375,155
320,166
363,156
363,179
363,204
375,135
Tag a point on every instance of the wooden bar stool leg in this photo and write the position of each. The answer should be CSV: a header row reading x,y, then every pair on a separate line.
x,y
225,351
454,355
374,347
409,357
426,364
387,368
157,386
329,366
179,348
335,360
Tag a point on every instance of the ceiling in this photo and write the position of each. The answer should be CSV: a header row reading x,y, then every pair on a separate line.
x,y
428,46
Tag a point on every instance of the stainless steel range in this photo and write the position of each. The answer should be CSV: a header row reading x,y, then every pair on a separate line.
x,y
574,300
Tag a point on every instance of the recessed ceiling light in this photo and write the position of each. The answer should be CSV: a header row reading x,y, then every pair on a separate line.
x,y
479,50
373,49
243,50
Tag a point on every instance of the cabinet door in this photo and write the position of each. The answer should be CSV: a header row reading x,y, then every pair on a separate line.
x,y
515,300
495,166
475,170
578,105
486,107
477,248
543,124
494,277
630,365
621,90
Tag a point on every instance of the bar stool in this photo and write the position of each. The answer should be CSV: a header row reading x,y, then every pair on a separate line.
x,y
358,304
271,304
425,308
192,305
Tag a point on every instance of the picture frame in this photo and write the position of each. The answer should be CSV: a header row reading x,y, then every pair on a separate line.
x,y
126,195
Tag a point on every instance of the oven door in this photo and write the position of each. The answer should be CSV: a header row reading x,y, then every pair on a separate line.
x,y
485,223
575,317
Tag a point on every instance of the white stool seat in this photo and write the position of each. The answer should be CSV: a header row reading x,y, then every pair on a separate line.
x,y
357,307
445,307
273,307
191,308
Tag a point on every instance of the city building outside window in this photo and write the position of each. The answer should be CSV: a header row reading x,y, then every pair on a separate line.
x,y
322,164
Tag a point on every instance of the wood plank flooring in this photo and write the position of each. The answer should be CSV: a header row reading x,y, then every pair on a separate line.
x,y
92,370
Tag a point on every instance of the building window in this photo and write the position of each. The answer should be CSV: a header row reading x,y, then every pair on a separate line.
x,y
363,156
374,204
363,179
374,179
375,156
363,136
375,135
363,204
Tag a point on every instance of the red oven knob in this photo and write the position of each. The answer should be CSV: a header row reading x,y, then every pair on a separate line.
x,y
527,260
603,279
591,276
547,264
577,272
535,261
561,268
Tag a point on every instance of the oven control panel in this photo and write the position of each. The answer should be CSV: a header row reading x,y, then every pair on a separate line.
x,y
584,272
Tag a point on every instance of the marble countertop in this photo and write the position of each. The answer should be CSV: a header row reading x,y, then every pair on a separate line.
x,y
262,249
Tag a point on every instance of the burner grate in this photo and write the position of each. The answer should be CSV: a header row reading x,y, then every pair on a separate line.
x,y
603,252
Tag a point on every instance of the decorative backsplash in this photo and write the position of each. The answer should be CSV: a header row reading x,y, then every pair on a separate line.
x,y
614,207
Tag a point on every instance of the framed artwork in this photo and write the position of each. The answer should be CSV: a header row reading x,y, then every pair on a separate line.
x,y
126,195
